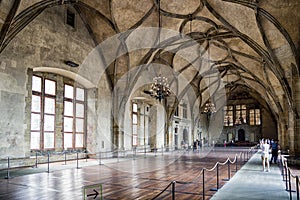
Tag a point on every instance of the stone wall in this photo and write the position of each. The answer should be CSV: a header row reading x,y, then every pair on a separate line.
x,y
46,42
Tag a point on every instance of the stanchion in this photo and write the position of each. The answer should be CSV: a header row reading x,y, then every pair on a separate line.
x,y
228,171
36,160
86,155
203,187
48,162
145,152
236,164
77,161
290,184
286,180
8,169
297,186
216,189
162,150
65,152
173,190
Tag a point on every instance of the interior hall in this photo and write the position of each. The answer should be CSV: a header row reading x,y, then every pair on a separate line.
x,y
114,81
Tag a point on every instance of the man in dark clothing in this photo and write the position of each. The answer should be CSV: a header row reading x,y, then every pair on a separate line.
x,y
275,148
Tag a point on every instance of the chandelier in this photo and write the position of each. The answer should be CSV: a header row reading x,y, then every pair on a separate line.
x,y
209,108
160,88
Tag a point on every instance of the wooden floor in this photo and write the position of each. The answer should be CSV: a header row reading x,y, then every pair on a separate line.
x,y
139,178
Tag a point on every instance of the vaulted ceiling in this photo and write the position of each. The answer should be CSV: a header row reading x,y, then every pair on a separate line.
x,y
249,44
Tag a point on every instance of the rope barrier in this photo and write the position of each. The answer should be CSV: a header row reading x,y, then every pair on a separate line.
x,y
202,172
287,177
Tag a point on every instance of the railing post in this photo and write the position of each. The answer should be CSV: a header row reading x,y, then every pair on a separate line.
x,y
236,164
86,155
173,190
217,169
8,168
290,185
77,161
218,184
65,157
228,170
36,160
48,162
203,187
286,180
297,186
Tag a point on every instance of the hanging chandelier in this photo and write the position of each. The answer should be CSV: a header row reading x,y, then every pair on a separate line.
x,y
160,88
209,108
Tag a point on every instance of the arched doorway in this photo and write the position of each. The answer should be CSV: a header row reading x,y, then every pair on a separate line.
x,y
241,135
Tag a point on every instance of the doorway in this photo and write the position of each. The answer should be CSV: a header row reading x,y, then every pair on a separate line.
x,y
241,135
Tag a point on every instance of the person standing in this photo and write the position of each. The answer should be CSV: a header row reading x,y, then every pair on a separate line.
x,y
265,155
275,148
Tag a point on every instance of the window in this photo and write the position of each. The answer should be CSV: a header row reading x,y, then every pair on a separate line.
x,y
46,120
228,116
42,113
74,116
70,19
134,124
254,116
240,114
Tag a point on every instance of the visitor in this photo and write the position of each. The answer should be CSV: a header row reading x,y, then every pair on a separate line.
x,y
265,155
275,148
195,145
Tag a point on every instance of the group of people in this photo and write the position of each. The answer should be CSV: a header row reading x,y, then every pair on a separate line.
x,y
197,144
269,146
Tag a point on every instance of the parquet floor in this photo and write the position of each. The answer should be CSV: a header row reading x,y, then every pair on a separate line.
x,y
139,178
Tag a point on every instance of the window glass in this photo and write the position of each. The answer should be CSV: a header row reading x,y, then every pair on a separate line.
x,y
80,94
79,110
68,109
134,140
50,87
35,121
69,92
36,84
48,122
49,105
68,124
79,125
79,140
68,140
134,118
36,103
48,140
35,140
134,107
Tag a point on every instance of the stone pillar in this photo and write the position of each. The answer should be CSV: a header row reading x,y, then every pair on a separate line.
x,y
296,89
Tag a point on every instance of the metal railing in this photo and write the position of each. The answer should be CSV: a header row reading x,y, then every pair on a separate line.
x,y
288,177
246,155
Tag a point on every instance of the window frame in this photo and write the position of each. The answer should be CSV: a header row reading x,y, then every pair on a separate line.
x,y
74,101
42,113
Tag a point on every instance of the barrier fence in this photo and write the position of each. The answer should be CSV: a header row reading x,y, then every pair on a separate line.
x,y
289,177
246,155
47,158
